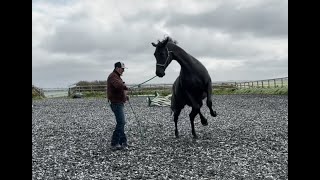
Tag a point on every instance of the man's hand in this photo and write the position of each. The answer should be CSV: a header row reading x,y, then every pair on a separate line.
x,y
127,98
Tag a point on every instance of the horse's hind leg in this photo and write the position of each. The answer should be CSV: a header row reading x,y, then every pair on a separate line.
x,y
209,104
175,118
192,115
204,121
209,101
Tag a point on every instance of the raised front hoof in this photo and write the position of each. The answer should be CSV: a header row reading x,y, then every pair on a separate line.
x,y
204,123
213,113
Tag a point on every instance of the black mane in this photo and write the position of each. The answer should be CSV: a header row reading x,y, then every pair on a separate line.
x,y
170,40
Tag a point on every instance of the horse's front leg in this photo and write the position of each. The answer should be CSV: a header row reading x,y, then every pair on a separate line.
x,y
175,118
192,115
195,110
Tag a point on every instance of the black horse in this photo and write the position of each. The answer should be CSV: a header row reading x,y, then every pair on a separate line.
x,y
191,86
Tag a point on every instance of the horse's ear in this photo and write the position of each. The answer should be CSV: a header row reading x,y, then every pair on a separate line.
x,y
153,44
164,43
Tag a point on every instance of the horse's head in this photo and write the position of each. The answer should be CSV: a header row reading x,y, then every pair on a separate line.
x,y
163,56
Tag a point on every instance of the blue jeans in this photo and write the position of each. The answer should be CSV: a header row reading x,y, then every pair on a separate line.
x,y
118,137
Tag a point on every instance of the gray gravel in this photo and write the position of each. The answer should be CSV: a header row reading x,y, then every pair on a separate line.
x,y
247,140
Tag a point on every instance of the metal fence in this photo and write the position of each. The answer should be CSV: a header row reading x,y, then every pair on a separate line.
x,y
55,92
266,83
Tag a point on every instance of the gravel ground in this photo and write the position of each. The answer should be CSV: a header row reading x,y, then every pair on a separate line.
x,y
247,140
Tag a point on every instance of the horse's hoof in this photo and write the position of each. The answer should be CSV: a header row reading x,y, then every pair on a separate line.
x,y
177,135
204,123
195,137
214,114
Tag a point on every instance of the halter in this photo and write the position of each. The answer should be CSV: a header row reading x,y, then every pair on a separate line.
x,y
166,59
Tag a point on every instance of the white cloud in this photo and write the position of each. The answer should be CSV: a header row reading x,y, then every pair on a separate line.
x,y
81,40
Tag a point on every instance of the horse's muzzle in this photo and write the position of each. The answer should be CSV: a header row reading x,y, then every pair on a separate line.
x,y
160,74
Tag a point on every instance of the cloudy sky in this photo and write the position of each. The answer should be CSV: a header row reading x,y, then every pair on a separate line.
x,y
80,40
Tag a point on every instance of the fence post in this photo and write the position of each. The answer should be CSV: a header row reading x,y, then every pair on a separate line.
x,y
281,82
275,84
268,84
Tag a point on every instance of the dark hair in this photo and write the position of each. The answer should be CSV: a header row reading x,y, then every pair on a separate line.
x,y
169,40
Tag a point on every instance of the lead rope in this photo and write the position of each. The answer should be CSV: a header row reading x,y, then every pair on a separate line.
x,y
144,82
135,115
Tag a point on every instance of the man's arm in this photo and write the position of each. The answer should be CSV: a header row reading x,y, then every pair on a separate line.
x,y
125,86
118,84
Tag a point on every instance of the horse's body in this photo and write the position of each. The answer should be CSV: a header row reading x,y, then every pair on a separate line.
x,y
191,86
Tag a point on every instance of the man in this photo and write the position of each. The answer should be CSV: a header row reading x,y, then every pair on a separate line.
x,y
116,93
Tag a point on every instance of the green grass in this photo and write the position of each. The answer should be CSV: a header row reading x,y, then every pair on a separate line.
x,y
162,92
36,95
165,92
89,94
257,90
217,91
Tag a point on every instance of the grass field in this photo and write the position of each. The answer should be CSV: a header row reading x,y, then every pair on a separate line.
x,y
219,90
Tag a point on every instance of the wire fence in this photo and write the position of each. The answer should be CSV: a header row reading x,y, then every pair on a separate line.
x,y
265,83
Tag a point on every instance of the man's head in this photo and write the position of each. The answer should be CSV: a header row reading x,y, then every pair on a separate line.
x,y
119,67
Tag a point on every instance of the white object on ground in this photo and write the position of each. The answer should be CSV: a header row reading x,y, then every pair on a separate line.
x,y
160,101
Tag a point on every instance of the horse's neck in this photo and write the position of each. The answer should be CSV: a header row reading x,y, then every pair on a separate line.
x,y
186,61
